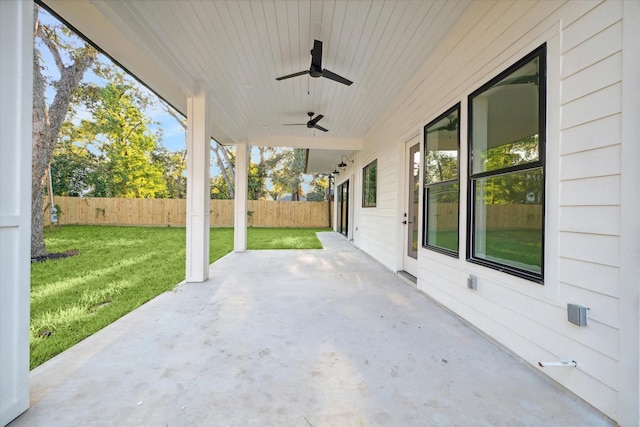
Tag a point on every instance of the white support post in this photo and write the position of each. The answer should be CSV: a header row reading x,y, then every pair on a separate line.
x,y
240,202
198,186
16,80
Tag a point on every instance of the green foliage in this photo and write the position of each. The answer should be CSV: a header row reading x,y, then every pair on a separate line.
x,y
118,130
174,164
511,154
441,166
319,188
219,188
116,270
73,167
257,179
287,168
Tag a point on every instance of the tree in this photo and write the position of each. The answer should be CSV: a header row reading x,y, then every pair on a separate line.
x,y
118,131
73,167
173,163
257,181
48,119
319,188
287,168
219,188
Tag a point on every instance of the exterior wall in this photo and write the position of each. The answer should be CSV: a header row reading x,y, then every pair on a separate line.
x,y
584,191
16,23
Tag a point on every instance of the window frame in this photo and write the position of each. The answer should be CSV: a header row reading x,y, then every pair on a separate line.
x,y
365,188
541,54
427,186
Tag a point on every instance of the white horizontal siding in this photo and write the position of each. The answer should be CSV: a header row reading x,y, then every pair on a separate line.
x,y
604,73
598,133
591,219
596,21
601,190
602,103
593,248
591,276
592,50
602,308
379,227
583,185
592,163
589,239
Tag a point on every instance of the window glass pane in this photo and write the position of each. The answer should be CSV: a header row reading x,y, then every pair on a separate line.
x,y
441,154
369,184
505,122
508,219
442,216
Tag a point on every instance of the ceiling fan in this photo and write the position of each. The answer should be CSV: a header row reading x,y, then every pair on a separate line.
x,y
312,123
316,67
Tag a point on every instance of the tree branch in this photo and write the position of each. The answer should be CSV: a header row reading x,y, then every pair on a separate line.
x,y
46,39
173,113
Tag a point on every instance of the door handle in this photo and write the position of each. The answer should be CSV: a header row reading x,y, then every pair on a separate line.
x,y
404,222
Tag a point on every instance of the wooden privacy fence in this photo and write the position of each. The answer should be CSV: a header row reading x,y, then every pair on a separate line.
x,y
173,212
498,217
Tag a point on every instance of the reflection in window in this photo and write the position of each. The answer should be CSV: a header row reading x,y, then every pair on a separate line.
x,y
442,216
442,189
506,163
369,184
508,219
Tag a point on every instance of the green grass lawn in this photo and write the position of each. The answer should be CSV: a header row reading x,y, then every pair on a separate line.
x,y
116,270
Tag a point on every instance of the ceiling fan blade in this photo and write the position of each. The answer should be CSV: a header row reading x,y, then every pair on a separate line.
x,y
333,76
316,119
316,55
301,73
438,129
321,128
520,80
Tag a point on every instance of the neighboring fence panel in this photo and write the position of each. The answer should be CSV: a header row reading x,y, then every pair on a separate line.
x,y
172,212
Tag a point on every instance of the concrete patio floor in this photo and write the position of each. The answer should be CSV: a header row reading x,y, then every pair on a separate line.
x,y
295,338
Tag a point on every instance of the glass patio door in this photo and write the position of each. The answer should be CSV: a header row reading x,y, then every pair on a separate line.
x,y
412,208
343,208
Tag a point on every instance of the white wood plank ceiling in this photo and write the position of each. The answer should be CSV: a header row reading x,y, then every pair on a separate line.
x,y
239,47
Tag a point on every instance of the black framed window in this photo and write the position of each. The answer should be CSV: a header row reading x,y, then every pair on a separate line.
x,y
370,184
442,183
506,169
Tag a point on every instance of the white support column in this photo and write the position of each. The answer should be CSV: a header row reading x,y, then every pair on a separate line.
x,y
16,77
198,186
240,201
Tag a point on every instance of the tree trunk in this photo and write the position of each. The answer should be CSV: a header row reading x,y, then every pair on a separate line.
x,y
48,121
40,137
